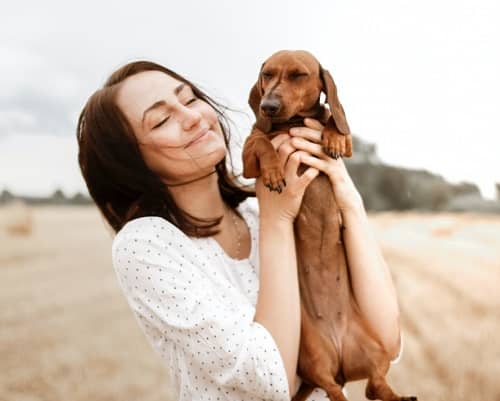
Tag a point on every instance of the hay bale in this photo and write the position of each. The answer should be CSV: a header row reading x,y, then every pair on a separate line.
x,y
16,218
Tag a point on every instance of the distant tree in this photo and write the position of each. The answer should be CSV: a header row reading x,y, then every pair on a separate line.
x,y
363,151
80,199
6,196
497,186
58,197
440,193
393,186
466,188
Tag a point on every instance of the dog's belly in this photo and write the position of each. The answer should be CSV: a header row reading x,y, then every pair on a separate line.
x,y
323,274
336,336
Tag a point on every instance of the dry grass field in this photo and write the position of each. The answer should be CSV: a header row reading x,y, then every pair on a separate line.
x,y
66,332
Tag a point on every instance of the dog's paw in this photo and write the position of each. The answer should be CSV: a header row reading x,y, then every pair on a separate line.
x,y
273,179
334,145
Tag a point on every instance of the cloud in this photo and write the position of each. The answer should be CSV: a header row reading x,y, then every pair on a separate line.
x,y
419,79
37,95
31,111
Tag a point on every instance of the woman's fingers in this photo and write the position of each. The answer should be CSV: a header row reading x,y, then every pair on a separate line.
x,y
310,134
293,164
284,152
284,147
278,140
315,149
314,124
315,162
334,168
312,130
308,175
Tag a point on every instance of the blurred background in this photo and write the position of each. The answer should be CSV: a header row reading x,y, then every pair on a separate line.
x,y
419,83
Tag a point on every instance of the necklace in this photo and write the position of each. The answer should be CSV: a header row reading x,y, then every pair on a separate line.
x,y
238,235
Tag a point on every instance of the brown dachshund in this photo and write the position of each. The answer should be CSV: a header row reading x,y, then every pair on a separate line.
x,y
336,344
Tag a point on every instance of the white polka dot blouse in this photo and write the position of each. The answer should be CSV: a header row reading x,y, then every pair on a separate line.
x,y
195,305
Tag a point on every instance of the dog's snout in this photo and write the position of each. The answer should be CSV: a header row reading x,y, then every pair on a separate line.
x,y
270,106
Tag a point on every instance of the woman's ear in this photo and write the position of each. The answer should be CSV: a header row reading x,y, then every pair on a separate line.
x,y
336,108
263,123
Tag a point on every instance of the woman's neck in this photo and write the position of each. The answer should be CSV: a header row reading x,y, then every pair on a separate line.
x,y
201,198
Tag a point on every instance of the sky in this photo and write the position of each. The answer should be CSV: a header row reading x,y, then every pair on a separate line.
x,y
418,78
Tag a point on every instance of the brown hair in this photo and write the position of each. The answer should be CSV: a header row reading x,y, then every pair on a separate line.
x,y
117,178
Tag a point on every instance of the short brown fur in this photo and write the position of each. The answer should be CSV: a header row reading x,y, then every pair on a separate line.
x,y
337,345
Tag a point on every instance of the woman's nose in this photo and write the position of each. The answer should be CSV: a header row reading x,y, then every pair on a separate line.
x,y
189,117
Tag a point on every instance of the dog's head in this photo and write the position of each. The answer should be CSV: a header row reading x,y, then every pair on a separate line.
x,y
290,84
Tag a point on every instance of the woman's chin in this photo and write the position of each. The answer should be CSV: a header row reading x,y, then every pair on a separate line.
x,y
217,155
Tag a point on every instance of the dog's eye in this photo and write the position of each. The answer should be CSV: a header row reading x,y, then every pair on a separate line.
x,y
296,75
266,76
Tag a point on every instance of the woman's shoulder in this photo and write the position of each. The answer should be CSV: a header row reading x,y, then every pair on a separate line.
x,y
158,229
150,229
147,225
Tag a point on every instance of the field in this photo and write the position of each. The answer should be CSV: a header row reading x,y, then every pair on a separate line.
x,y
66,332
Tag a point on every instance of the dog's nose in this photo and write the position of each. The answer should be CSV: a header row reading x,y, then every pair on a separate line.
x,y
270,107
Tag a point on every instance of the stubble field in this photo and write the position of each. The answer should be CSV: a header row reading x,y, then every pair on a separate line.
x,y
66,332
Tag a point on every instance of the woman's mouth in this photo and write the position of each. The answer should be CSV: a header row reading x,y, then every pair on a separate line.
x,y
198,138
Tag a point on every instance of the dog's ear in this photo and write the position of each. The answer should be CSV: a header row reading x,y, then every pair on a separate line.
x,y
263,123
255,97
333,101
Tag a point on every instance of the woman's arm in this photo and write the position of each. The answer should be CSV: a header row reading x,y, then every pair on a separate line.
x,y
371,279
278,303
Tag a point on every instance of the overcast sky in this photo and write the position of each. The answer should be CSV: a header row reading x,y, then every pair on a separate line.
x,y
418,78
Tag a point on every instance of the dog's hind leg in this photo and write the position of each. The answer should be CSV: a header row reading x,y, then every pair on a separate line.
x,y
304,391
378,389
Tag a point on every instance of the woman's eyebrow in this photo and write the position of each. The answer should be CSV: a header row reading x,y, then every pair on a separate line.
x,y
177,90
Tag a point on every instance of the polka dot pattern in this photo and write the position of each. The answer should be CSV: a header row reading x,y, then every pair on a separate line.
x,y
195,305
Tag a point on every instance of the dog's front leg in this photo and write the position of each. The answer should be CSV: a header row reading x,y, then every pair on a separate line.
x,y
261,159
335,144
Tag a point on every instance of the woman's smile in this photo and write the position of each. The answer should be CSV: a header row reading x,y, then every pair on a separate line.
x,y
199,138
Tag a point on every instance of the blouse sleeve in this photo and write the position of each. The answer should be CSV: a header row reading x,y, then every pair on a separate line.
x,y
398,357
166,284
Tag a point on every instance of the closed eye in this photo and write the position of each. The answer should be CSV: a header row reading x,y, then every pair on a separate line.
x,y
296,75
161,123
192,100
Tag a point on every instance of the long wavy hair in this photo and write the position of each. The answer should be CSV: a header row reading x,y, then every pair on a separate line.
x,y
117,178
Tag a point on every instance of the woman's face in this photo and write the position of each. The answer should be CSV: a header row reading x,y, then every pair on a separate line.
x,y
179,135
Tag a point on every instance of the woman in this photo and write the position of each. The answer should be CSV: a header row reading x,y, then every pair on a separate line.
x,y
212,277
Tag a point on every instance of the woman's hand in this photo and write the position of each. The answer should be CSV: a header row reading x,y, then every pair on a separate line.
x,y
308,139
285,205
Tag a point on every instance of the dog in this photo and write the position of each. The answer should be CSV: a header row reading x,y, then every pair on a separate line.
x,y
336,344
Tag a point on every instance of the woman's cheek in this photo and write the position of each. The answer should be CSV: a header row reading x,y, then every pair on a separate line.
x,y
209,113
